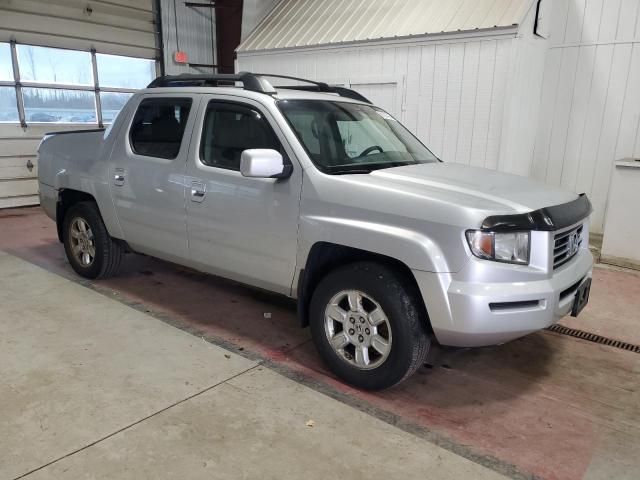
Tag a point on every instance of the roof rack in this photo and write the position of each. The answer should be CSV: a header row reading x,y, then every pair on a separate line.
x,y
254,82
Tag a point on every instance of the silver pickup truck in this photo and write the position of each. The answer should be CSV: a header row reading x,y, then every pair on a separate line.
x,y
312,192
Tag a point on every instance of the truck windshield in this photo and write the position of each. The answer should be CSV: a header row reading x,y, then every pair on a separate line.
x,y
344,138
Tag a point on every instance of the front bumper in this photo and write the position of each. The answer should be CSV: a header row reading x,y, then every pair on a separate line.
x,y
467,313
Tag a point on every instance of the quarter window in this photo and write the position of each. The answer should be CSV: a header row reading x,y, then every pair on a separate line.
x,y
158,126
228,130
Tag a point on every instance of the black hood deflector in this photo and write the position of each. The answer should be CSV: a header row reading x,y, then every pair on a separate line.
x,y
545,219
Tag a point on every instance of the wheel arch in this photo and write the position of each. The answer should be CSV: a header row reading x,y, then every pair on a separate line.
x,y
324,257
68,197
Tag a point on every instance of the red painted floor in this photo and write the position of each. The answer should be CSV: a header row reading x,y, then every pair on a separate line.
x,y
546,405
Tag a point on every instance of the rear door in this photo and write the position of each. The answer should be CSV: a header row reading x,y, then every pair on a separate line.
x,y
241,228
147,175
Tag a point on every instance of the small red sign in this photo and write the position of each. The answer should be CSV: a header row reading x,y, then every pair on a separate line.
x,y
181,57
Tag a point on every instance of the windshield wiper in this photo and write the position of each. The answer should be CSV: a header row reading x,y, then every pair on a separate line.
x,y
347,171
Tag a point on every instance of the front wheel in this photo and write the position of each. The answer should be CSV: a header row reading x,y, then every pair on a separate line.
x,y
368,325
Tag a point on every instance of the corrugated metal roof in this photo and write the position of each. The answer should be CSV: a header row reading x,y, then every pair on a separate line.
x,y
297,23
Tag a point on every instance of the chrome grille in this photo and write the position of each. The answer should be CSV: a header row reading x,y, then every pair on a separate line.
x,y
566,245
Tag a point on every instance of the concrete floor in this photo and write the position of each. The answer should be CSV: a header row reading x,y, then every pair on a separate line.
x,y
546,406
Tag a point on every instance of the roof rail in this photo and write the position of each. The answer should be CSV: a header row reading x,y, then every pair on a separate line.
x,y
249,81
254,82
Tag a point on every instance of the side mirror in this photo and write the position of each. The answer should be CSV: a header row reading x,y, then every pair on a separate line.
x,y
263,163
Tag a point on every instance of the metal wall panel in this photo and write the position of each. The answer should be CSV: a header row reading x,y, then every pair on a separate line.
x,y
190,29
297,23
590,110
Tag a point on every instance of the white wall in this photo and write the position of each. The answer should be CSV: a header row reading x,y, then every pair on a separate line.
x,y
590,104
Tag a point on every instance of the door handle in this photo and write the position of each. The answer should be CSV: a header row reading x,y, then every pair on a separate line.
x,y
198,191
118,176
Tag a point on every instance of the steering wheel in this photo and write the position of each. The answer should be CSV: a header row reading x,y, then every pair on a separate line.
x,y
367,151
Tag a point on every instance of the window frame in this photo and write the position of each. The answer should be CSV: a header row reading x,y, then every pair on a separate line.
x,y
248,106
94,87
156,98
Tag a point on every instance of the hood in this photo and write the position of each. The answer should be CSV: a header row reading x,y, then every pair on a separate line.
x,y
478,187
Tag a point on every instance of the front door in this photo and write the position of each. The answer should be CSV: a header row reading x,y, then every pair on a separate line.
x,y
147,175
241,228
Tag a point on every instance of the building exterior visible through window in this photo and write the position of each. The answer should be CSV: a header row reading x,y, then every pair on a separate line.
x,y
59,86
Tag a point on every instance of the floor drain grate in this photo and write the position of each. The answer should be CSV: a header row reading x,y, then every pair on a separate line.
x,y
592,337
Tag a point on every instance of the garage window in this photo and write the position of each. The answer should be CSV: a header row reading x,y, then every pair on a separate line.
x,y
125,72
54,65
55,85
8,102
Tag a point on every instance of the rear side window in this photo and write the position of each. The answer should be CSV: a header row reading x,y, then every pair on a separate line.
x,y
158,127
228,130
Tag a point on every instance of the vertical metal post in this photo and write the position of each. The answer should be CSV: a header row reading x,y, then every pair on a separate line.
x,y
96,87
159,36
16,79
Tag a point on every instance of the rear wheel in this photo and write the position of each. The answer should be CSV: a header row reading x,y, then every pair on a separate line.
x,y
368,325
90,250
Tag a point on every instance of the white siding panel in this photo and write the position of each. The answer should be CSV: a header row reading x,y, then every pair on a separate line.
x,y
609,20
627,20
562,114
468,97
412,90
591,22
594,122
575,21
630,121
484,91
610,128
560,12
425,94
578,116
500,78
547,107
452,107
439,105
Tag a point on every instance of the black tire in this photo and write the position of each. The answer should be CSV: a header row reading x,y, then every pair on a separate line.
x,y
407,320
108,253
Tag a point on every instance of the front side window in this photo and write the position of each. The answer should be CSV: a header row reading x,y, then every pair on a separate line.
x,y
342,137
228,130
158,127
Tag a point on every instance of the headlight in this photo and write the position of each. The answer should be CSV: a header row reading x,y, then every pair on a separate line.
x,y
501,247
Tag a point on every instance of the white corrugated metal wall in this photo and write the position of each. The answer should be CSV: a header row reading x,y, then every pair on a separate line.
x,y
121,27
590,111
